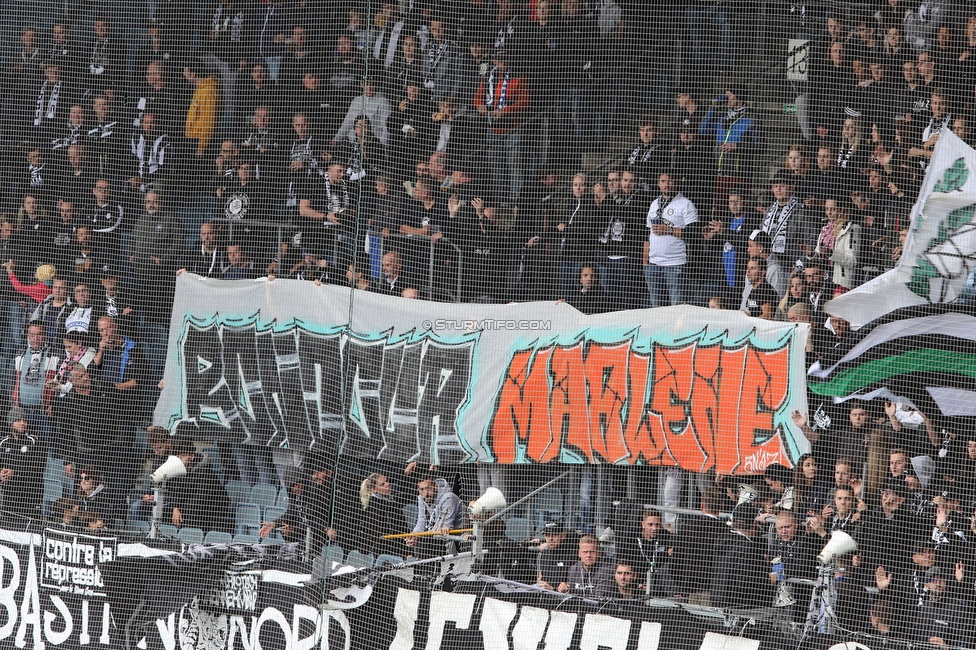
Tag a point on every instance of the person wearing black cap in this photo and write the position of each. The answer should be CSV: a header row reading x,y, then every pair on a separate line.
x,y
556,556
309,508
741,577
736,138
777,222
22,461
887,532
114,302
759,247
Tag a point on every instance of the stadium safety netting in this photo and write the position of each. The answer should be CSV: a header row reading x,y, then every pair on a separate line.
x,y
488,324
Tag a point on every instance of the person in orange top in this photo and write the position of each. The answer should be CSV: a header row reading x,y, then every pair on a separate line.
x,y
503,98
201,118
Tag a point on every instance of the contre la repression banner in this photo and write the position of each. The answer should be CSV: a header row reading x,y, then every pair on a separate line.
x,y
294,365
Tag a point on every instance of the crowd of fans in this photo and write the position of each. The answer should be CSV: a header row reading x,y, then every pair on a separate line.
x,y
312,141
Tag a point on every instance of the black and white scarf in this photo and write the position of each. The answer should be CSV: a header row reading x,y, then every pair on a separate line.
x,y
47,102
98,62
151,161
490,97
776,223
434,56
733,116
74,133
36,176
662,203
335,201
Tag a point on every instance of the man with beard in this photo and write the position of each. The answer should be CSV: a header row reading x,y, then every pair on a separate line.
x,y
759,299
207,258
665,251
33,368
154,250
246,199
326,205
300,163
151,159
622,240
649,552
105,217
438,509
121,370
309,507
589,298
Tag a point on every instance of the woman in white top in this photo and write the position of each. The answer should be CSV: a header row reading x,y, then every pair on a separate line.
x,y
840,242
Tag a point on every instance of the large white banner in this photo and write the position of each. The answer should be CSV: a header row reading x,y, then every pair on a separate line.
x,y
291,364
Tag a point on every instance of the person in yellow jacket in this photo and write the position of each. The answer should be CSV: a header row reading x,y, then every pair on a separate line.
x,y
201,118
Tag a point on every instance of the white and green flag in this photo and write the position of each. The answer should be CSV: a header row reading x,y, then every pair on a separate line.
x,y
941,247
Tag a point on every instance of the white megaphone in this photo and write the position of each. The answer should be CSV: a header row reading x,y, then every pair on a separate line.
x,y
840,544
492,499
786,503
172,468
747,494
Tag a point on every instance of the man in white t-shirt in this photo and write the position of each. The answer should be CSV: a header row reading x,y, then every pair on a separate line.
x,y
665,252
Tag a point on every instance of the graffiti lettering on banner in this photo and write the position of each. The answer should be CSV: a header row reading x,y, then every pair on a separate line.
x,y
699,407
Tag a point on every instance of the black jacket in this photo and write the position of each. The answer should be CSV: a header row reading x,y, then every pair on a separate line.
x,y
741,577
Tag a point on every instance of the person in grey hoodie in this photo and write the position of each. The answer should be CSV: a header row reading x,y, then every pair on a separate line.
x,y
438,508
